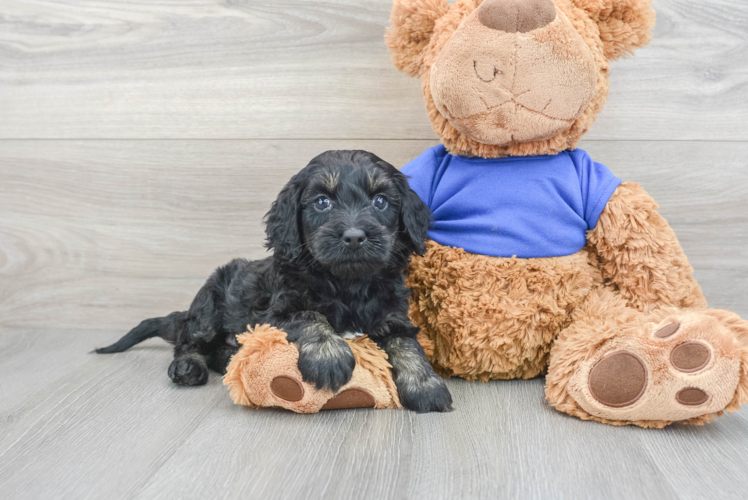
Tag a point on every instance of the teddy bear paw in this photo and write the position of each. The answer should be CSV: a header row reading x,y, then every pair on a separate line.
x,y
264,372
676,370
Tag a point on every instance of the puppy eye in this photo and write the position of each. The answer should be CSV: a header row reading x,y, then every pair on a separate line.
x,y
322,204
379,202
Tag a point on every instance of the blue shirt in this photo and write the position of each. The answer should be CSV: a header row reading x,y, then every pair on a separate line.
x,y
524,206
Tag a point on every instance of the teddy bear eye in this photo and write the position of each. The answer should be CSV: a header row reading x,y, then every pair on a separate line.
x,y
322,203
486,71
379,202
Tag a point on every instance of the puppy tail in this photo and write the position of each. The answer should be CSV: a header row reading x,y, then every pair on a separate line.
x,y
168,328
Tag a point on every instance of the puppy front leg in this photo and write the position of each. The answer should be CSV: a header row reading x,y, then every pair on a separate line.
x,y
419,387
325,359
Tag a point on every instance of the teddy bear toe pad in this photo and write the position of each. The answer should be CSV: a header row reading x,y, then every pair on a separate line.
x,y
291,390
351,398
618,380
287,388
690,356
667,331
676,370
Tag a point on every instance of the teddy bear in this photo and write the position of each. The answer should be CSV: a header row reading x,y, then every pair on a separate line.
x,y
540,261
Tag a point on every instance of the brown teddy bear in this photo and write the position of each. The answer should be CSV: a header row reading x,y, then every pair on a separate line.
x,y
541,261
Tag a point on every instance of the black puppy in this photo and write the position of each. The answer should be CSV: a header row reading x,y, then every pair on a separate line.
x,y
342,231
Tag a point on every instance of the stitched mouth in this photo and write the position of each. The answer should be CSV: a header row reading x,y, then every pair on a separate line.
x,y
539,113
567,120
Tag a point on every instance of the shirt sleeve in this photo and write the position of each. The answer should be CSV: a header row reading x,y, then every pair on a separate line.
x,y
421,173
597,184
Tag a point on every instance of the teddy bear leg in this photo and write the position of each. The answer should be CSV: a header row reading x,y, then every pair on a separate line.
x,y
264,373
620,366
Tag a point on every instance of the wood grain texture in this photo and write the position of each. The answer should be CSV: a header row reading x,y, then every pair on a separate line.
x,y
116,428
315,69
102,224
104,427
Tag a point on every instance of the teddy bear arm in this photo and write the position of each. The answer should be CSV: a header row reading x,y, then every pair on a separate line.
x,y
639,255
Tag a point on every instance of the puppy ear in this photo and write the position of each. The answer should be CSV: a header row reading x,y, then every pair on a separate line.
x,y
283,220
412,26
624,25
415,216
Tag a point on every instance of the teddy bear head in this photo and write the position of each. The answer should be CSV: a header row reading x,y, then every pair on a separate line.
x,y
514,77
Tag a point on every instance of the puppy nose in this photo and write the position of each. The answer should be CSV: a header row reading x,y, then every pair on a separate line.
x,y
516,16
354,238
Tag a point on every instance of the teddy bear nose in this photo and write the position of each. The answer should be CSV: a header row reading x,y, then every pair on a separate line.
x,y
516,16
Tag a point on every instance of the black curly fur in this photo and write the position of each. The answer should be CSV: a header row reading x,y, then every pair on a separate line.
x,y
314,286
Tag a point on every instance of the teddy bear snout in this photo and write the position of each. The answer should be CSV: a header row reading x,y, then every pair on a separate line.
x,y
516,16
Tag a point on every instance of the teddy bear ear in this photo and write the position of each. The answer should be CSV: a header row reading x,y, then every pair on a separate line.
x,y
624,24
411,28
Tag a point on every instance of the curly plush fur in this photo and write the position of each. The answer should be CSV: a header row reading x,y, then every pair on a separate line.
x,y
493,318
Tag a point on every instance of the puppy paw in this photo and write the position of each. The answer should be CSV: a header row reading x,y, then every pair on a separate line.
x,y
327,362
424,395
189,370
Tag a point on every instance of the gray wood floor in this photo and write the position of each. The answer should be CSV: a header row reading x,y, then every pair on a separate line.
x,y
140,145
